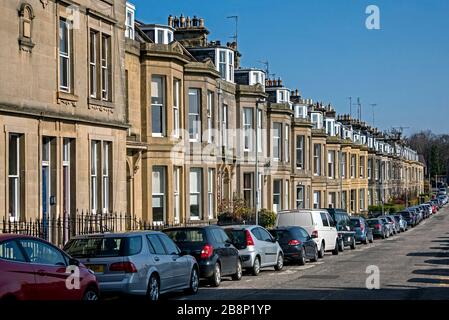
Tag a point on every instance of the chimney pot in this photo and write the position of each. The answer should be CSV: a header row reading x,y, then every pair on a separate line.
x,y
170,21
201,23
195,21
182,20
188,21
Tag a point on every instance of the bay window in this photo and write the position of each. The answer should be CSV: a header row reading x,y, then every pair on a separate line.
x,y
277,187
277,131
158,194
195,193
317,159
210,113
176,108
158,106
210,193
248,128
194,114
300,152
287,143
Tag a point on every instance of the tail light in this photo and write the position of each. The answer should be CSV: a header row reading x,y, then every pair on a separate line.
x,y
249,239
127,267
378,227
294,242
362,227
315,234
207,251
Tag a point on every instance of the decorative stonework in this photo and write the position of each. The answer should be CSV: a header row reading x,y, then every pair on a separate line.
x,y
26,16
101,108
68,103
44,3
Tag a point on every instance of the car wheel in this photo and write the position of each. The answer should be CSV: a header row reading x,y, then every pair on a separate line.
x,y
341,245
238,274
371,240
353,245
216,277
315,256
194,282
302,258
280,263
384,235
91,294
335,251
256,267
153,288
321,251
366,240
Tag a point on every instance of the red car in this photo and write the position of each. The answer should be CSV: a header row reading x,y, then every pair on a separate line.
x,y
34,269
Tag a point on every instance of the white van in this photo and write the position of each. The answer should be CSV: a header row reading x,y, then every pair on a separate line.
x,y
318,223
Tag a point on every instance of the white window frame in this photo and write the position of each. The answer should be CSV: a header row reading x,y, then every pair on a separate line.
x,y
316,199
300,190
248,189
161,170
287,195
176,194
93,53
277,195
105,178
331,164
259,131
105,67
158,104
176,108
94,175
277,141
224,126
300,141
210,111
66,185
65,57
14,178
129,23
195,132
317,159
196,193
210,193
353,166
287,143
248,129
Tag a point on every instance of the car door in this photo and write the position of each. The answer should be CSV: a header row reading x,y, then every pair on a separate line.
x,y
178,264
222,251
325,230
231,251
332,232
16,274
162,262
260,245
309,244
49,266
271,248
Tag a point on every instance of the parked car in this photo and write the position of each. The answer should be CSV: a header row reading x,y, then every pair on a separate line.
x,y
346,236
409,217
396,225
442,191
257,247
392,223
145,263
389,225
34,269
318,223
417,213
363,232
402,222
212,248
296,243
379,227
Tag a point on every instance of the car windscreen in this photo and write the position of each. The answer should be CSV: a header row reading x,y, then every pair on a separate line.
x,y
103,247
373,222
355,223
185,236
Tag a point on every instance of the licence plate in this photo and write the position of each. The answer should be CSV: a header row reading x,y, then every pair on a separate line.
x,y
97,268
349,239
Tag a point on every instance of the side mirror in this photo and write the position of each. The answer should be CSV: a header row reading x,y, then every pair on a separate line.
x,y
274,240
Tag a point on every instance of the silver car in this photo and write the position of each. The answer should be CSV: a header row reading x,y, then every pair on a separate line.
x,y
257,247
145,263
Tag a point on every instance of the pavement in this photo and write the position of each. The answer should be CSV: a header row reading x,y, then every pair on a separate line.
x,y
411,265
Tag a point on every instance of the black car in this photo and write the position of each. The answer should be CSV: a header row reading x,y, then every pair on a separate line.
x,y
342,220
213,250
296,244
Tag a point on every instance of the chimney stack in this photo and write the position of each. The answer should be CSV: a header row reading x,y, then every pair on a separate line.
x,y
170,21
182,21
188,22
201,23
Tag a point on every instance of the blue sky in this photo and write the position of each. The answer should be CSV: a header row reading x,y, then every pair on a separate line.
x,y
322,48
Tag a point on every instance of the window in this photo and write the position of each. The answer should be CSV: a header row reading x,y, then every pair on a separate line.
x,y
194,114
195,193
222,64
9,250
231,66
300,197
287,195
324,219
48,174
176,193
317,159
15,176
210,193
248,189
170,246
277,186
224,126
210,110
158,106
316,199
287,143
176,108
225,64
332,200
100,66
344,200
68,175
353,167
101,176
106,176
362,167
65,55
41,253
353,200
362,199
277,130
370,168
331,164
300,152
105,67
259,131
93,63
248,128
156,246
158,193
129,24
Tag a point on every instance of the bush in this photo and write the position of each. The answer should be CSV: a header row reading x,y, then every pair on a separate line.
x,y
235,211
267,218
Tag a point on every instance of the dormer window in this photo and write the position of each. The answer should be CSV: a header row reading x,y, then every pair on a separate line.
x,y
130,18
300,111
330,130
317,120
283,96
257,77
225,63
159,34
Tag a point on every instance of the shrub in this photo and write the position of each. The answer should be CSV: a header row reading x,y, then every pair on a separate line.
x,y
267,218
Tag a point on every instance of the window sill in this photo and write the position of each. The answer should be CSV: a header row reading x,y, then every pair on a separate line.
x,y
100,103
67,96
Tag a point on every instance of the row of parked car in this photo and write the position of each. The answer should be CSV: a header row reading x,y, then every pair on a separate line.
x,y
151,263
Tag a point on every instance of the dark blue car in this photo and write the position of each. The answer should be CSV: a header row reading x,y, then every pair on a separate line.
x,y
363,232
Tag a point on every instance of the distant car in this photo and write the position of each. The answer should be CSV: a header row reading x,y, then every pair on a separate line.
x,y
34,269
212,248
409,217
145,263
296,243
401,221
257,247
318,223
379,227
442,191
363,232
392,222
389,225
346,236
